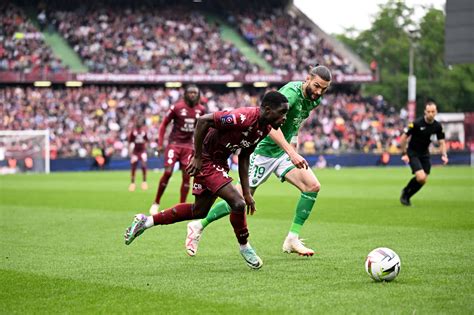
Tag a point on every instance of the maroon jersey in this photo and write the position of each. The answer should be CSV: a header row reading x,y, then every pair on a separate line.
x,y
184,123
140,138
236,129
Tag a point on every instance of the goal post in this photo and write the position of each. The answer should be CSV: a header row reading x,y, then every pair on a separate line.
x,y
24,151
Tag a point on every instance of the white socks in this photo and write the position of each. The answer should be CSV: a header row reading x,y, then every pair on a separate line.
x,y
149,222
292,235
245,246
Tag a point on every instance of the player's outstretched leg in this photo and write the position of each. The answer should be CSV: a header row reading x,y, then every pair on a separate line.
x,y
196,228
135,229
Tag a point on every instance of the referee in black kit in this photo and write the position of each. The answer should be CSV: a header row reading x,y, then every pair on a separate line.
x,y
420,132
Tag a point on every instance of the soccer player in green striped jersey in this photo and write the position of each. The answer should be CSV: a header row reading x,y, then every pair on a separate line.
x,y
276,155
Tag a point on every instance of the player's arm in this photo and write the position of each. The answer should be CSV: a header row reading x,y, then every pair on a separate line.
x,y
442,145
404,142
444,154
131,142
203,124
278,137
403,147
244,160
161,133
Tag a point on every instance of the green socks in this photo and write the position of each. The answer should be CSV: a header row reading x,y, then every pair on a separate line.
x,y
303,209
220,209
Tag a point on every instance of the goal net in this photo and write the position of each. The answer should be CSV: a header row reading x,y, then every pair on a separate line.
x,y
24,151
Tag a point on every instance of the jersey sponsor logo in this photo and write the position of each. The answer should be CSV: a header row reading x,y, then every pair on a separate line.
x,y
228,120
183,112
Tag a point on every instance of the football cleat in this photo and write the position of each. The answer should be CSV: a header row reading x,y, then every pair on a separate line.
x,y
154,209
251,258
144,186
193,237
132,187
135,229
404,200
295,245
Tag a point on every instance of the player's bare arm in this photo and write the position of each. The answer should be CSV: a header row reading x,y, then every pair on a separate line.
x,y
278,137
244,160
202,127
161,134
444,154
403,147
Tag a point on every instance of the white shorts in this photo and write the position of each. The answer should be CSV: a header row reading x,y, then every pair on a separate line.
x,y
261,167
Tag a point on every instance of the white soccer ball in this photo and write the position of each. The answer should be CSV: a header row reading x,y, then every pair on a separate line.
x,y
383,264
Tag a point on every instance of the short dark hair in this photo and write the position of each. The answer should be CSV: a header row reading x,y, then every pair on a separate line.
x,y
191,86
322,71
430,101
273,99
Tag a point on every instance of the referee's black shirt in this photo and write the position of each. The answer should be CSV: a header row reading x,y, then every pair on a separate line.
x,y
421,132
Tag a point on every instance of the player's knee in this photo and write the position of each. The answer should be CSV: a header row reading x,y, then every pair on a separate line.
x,y
421,178
237,205
313,187
168,173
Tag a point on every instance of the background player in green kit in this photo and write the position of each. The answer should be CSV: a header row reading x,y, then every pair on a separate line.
x,y
275,155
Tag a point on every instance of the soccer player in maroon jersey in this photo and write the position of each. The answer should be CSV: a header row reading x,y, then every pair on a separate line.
x,y
217,136
180,142
138,139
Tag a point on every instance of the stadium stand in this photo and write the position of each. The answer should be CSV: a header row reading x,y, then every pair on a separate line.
x,y
22,47
83,117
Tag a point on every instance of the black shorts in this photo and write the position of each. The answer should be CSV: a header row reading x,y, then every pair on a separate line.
x,y
419,162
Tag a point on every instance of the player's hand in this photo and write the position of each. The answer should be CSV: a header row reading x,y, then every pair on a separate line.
x,y
250,202
405,158
194,167
299,161
160,150
445,159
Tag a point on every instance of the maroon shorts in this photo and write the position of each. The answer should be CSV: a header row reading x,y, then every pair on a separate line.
x,y
175,153
138,156
213,176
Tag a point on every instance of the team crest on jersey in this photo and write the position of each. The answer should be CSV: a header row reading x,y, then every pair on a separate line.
x,y
228,119
242,118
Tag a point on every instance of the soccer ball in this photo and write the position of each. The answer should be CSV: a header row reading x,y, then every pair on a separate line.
x,y
383,264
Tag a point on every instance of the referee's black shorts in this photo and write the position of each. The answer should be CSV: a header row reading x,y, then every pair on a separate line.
x,y
419,162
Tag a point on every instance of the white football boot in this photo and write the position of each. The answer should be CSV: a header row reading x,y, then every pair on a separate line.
x,y
192,239
295,245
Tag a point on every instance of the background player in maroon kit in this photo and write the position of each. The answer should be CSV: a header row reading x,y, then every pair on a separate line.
x,y
217,136
180,143
138,139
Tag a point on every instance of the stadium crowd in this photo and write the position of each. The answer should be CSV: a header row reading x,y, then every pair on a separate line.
x,y
22,47
93,117
146,38
287,42
149,39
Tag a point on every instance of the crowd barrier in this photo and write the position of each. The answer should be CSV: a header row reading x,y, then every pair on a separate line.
x,y
332,160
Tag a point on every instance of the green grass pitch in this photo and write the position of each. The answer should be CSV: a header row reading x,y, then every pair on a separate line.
x,y
62,248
